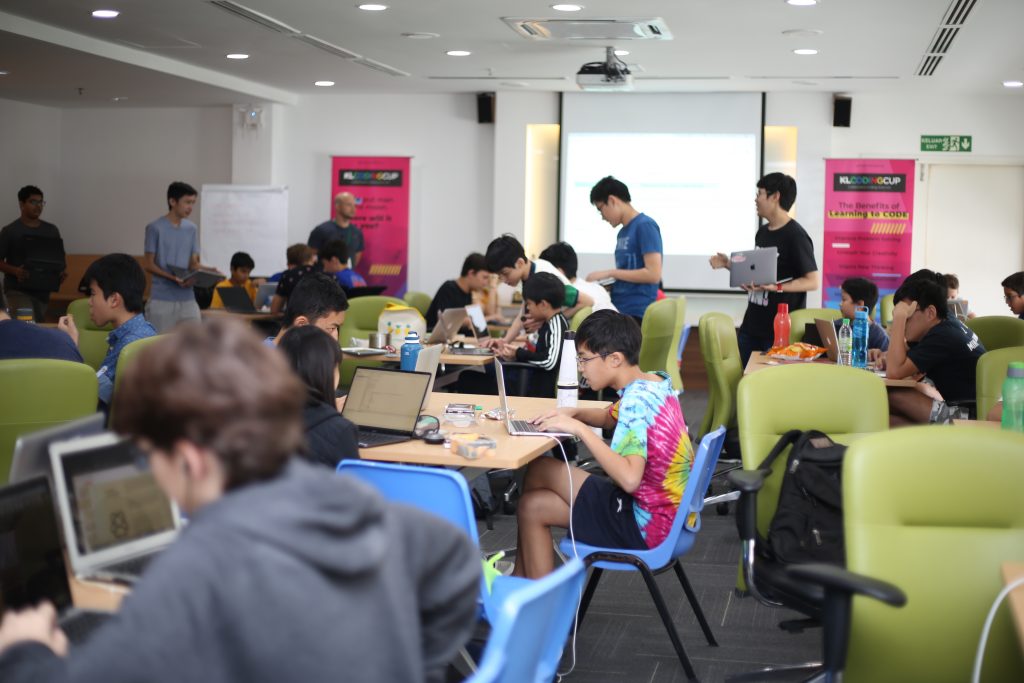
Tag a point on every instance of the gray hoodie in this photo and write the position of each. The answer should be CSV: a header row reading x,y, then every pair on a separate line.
x,y
308,577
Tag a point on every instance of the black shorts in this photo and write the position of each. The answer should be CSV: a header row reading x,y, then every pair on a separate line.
x,y
602,515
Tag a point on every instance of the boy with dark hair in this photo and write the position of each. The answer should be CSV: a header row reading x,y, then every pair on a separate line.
x,y
318,300
945,350
381,592
15,244
648,461
858,291
458,293
116,285
543,296
639,254
333,257
20,339
563,257
242,266
776,193
1013,293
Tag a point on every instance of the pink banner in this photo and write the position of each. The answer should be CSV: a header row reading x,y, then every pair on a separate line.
x,y
381,189
869,218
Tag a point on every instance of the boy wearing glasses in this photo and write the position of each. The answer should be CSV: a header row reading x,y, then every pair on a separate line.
x,y
14,248
1013,293
648,461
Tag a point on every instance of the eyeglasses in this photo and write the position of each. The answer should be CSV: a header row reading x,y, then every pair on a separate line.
x,y
36,202
581,361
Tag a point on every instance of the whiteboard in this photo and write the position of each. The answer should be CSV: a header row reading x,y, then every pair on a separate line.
x,y
249,218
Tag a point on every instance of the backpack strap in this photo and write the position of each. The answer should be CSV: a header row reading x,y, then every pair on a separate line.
x,y
785,440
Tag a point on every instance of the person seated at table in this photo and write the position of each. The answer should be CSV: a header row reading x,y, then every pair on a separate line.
x,y
20,339
953,293
318,300
296,255
944,349
241,267
563,257
648,461
543,297
315,357
1013,293
458,293
283,573
286,285
858,291
333,258
116,285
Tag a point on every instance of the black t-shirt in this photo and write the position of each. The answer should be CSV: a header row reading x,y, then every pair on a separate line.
x,y
290,278
449,295
948,353
796,259
13,251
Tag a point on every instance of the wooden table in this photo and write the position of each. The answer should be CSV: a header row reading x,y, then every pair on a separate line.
x,y
512,451
97,595
760,361
244,317
1011,572
446,358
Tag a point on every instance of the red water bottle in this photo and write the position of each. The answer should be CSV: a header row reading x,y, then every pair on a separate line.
x,y
782,326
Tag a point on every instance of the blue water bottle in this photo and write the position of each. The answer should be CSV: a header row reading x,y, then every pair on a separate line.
x,y
859,355
410,351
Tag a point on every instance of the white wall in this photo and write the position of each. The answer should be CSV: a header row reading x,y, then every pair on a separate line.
x,y
30,149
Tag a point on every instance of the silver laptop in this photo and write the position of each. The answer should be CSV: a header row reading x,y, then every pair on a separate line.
x,y
32,560
516,427
385,404
757,266
32,451
959,309
115,517
449,322
265,293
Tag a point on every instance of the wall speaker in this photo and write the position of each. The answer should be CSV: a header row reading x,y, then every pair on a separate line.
x,y
841,108
485,107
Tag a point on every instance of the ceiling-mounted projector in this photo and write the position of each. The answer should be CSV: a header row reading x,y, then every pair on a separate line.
x,y
611,74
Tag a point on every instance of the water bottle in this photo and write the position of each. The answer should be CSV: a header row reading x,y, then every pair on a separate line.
x,y
1013,398
782,325
845,343
859,353
410,351
568,377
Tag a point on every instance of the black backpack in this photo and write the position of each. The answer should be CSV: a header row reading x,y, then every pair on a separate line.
x,y
808,522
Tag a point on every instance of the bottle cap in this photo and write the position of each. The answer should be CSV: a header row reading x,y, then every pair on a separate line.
x,y
783,308
846,321
412,337
1015,370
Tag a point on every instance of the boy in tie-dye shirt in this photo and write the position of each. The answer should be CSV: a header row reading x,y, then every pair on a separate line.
x,y
648,462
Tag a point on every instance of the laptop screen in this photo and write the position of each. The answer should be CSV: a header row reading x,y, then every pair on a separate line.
x,y
32,565
32,451
112,501
386,399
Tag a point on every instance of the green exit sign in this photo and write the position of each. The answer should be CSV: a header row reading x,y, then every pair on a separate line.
x,y
946,143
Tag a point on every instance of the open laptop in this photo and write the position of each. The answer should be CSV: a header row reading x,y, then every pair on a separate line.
x,y
757,266
427,361
448,325
236,299
265,293
114,515
827,333
385,404
516,427
32,451
959,309
32,567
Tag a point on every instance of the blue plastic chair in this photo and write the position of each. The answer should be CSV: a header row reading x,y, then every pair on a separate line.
x,y
678,542
530,628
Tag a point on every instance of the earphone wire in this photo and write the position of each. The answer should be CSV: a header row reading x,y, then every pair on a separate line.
x,y
980,654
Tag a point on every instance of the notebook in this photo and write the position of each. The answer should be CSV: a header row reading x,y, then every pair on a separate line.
x,y
115,517
516,427
757,266
32,451
200,278
32,559
385,404
236,299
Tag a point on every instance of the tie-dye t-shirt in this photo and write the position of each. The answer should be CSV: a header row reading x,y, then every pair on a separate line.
x,y
650,424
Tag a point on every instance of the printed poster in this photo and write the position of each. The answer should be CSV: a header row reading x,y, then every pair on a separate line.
x,y
381,189
869,218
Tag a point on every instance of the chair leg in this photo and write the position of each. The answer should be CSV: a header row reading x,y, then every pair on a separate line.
x,y
666,619
588,594
694,603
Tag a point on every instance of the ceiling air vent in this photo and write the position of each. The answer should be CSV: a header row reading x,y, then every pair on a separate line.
x,y
590,29
378,66
256,17
321,44
952,20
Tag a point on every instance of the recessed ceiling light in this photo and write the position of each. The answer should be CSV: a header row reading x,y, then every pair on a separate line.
x,y
802,3
372,7
458,53
3,72
105,14
805,51
421,35
237,55
621,53
323,84
567,8
119,98
1006,84
515,84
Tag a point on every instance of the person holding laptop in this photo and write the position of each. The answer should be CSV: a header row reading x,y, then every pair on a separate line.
x,y
284,572
14,239
797,270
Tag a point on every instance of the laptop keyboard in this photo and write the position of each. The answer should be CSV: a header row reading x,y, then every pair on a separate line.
x,y
130,567
371,439
525,426
80,625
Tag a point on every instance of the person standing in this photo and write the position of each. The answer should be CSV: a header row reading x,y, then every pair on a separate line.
x,y
341,228
172,241
13,249
639,253
797,270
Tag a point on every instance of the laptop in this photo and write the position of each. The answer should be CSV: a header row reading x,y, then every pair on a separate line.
x,y
384,404
356,292
448,325
827,332
44,261
427,361
516,427
115,517
265,293
236,299
32,451
959,309
757,266
32,567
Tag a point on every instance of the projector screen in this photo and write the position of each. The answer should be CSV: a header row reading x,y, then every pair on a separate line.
x,y
691,162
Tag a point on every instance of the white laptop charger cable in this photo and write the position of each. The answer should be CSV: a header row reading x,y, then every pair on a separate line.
x,y
976,675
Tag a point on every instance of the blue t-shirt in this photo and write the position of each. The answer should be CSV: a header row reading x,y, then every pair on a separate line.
x,y
877,338
20,339
171,245
349,278
641,236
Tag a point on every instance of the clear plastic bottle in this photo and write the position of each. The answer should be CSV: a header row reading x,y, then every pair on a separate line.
x,y
568,373
845,338
1013,398
859,353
